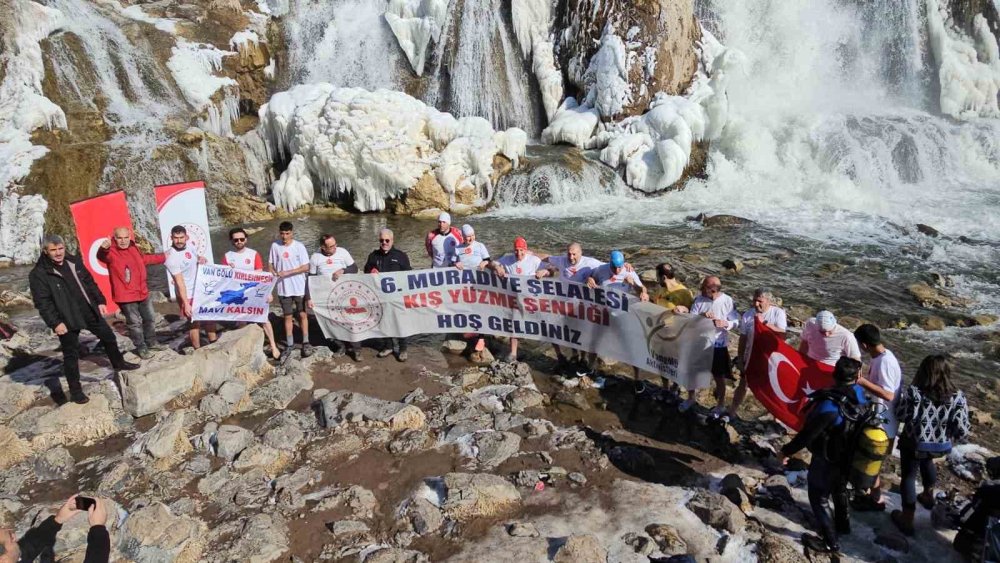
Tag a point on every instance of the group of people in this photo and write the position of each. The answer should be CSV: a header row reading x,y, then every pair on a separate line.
x,y
931,411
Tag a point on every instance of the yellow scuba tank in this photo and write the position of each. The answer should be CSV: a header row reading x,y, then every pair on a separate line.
x,y
870,449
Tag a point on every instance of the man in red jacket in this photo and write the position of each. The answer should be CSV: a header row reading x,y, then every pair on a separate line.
x,y
127,271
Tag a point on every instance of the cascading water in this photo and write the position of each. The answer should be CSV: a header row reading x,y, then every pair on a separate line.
x,y
475,69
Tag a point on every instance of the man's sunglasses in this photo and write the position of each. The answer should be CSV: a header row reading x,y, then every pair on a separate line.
x,y
385,240
239,239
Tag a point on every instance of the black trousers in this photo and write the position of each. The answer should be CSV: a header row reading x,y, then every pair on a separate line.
x,y
71,347
825,480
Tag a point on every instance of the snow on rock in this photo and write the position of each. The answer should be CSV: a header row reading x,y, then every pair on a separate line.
x,y
294,188
245,38
135,12
416,23
532,19
572,123
968,67
377,145
23,108
606,79
193,66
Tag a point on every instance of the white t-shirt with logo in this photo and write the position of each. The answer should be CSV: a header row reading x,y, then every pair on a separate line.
x,y
284,258
578,272
526,267
604,276
829,349
774,317
247,259
185,263
722,308
471,255
323,265
885,371
442,249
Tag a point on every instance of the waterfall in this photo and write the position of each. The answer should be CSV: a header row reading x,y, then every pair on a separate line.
x,y
557,175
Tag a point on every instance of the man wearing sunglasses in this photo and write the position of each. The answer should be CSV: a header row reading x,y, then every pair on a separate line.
x,y
333,261
387,258
716,305
242,257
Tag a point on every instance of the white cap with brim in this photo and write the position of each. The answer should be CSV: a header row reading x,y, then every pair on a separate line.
x,y
467,230
826,320
444,216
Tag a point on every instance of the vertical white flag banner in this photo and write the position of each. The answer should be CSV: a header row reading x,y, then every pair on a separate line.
x,y
184,204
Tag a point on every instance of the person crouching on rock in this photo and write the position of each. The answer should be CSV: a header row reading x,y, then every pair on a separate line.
x,y
68,300
824,435
42,538
127,272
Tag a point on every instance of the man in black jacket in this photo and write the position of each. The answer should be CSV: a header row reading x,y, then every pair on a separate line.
x,y
384,259
68,300
42,538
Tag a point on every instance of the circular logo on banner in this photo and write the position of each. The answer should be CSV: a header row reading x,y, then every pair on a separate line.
x,y
95,265
354,306
198,237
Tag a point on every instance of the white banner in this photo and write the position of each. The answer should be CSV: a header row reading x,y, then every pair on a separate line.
x,y
224,294
613,325
184,204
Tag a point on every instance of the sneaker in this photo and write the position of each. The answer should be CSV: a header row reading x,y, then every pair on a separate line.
x,y
79,398
144,353
157,347
401,356
126,366
307,350
338,351
285,354
686,405
511,358
865,503
383,353
354,354
818,544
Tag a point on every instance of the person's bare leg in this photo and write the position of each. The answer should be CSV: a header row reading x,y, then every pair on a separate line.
x,y
304,325
269,331
195,334
210,329
739,395
513,348
289,330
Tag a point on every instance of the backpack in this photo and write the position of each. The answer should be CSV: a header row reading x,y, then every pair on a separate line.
x,y
861,444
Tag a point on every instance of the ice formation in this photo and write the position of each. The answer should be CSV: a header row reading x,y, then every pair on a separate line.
x,y
377,145
653,149
294,188
531,19
135,12
22,219
416,23
193,66
968,68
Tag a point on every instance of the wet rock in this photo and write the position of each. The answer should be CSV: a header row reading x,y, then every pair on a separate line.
x,y
473,495
631,460
230,440
733,488
482,357
522,530
941,280
166,377
153,533
733,265
720,220
980,418
716,511
932,322
890,537
495,447
932,297
639,543
522,399
395,555
339,406
409,441
425,518
165,441
773,548
928,230
667,539
54,464
581,549
799,314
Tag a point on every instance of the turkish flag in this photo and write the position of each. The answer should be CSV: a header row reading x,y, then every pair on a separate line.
x,y
780,377
95,218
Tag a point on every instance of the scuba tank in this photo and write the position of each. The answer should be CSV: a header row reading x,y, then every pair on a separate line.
x,y
870,446
864,444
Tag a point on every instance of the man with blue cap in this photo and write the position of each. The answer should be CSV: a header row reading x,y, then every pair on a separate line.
x,y
615,276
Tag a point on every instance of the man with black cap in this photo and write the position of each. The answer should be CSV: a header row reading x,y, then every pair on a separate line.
x,y
824,436
68,300
441,242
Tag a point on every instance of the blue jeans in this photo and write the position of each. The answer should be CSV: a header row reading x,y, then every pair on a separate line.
x,y
910,464
825,480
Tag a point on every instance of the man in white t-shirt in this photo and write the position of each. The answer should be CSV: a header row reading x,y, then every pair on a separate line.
x,y
182,264
472,254
333,261
441,242
576,267
616,277
716,305
289,260
883,382
773,318
521,263
826,341
242,257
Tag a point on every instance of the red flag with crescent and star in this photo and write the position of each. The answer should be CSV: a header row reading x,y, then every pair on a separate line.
x,y
780,377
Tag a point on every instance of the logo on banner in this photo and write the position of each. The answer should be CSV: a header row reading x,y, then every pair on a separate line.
x,y
236,296
354,306
198,237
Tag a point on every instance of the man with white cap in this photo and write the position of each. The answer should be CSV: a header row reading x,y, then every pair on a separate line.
x,y
826,341
441,242
521,263
472,254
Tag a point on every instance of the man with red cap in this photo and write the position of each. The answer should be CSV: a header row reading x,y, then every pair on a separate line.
x,y
522,263
441,242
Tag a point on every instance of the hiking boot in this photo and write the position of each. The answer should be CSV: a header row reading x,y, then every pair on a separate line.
x,y
157,347
401,357
863,502
144,353
384,353
338,352
926,500
819,545
125,366
686,405
354,354
511,358
307,350
79,397
903,520
285,354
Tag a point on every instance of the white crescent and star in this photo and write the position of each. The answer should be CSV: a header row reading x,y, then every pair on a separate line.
x,y
773,362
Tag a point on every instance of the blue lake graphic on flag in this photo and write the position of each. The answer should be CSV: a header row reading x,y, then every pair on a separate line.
x,y
236,296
